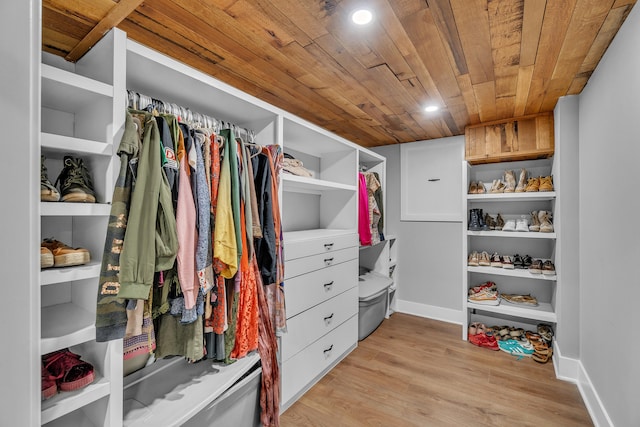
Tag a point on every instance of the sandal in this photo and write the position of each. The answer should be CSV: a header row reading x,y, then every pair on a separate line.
x,y
49,387
542,358
69,372
545,332
539,344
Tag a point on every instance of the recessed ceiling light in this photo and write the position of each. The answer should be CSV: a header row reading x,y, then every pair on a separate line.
x,y
362,16
431,108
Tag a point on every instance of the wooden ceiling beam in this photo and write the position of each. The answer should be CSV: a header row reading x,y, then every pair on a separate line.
x,y
115,16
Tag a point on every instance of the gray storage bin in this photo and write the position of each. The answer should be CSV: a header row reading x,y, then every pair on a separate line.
x,y
373,291
239,406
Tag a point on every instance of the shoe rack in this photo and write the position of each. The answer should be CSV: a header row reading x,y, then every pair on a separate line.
x,y
81,116
538,245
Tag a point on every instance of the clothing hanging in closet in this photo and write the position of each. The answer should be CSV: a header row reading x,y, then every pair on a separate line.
x,y
194,243
370,209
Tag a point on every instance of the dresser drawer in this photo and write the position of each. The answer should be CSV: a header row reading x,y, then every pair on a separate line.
x,y
312,324
299,244
301,369
308,290
296,267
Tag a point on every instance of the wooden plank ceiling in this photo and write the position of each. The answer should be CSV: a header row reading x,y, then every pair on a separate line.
x,y
479,60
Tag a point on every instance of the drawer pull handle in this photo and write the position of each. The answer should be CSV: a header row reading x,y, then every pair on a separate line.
x,y
328,320
327,352
328,246
433,179
327,286
328,261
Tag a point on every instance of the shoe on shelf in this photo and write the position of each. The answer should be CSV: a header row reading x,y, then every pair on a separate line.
x,y
46,257
486,294
473,259
484,259
527,261
497,186
546,332
510,225
522,225
517,261
546,183
507,262
548,268
516,347
526,300
536,267
499,223
510,180
480,188
75,181
474,220
473,187
48,192
49,388
546,224
535,222
489,222
522,181
65,256
483,225
484,340
70,372
533,185
496,260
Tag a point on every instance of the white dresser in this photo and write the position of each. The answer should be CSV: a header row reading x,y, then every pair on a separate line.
x,y
321,289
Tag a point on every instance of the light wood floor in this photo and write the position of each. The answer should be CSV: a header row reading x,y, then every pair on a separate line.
x,y
418,372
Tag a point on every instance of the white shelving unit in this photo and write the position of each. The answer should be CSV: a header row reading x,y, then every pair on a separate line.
x,y
536,244
80,116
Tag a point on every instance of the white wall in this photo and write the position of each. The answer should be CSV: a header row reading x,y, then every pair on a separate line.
x,y
429,270
609,226
19,225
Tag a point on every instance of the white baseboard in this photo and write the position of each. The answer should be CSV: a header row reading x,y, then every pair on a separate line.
x,y
566,368
592,401
429,311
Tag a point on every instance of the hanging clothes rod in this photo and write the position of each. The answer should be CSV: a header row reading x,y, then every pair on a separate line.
x,y
140,101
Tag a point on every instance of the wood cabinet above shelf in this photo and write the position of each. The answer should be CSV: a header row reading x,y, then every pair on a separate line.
x,y
525,138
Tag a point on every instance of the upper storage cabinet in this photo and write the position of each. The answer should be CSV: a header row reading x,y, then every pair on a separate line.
x,y
526,138
320,193
160,77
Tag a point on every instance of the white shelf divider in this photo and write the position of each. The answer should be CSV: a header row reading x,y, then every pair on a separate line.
x,y
512,234
516,272
65,325
512,197
543,312
68,401
68,144
302,184
54,275
74,209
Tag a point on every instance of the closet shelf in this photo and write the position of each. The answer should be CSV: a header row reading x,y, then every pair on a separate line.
x,y
302,184
66,91
67,144
74,209
514,197
68,401
65,325
516,234
511,273
543,312
54,275
172,392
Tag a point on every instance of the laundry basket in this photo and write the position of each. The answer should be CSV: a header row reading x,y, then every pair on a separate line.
x,y
373,292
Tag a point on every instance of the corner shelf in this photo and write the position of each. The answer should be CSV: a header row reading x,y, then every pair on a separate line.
x,y
302,184
67,91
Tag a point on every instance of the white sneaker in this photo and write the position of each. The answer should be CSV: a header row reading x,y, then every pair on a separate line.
x,y
510,225
522,225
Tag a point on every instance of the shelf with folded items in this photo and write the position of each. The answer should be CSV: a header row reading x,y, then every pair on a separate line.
x,y
543,312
